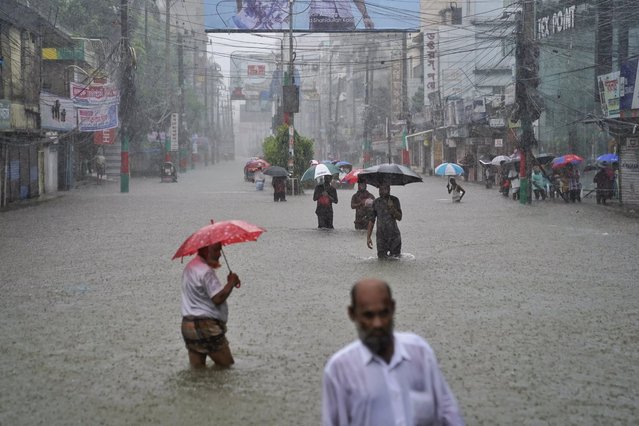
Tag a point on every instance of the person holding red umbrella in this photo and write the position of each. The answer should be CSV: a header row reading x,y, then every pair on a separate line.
x,y
204,308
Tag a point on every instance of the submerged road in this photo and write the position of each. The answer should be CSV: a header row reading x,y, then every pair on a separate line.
x,y
533,311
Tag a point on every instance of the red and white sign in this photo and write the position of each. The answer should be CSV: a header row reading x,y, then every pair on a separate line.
x,y
94,93
104,137
256,70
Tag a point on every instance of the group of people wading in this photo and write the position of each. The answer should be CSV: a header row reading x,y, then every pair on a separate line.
x,y
385,210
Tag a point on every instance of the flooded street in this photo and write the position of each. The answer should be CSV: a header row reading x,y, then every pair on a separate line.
x,y
532,311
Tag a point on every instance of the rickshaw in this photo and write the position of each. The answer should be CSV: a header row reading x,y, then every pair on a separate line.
x,y
168,172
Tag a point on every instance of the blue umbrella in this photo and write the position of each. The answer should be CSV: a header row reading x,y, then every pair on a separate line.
x,y
608,158
343,163
449,169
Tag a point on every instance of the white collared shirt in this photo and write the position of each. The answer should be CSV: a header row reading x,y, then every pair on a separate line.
x,y
360,388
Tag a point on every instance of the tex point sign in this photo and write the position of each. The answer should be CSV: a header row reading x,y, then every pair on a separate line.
x,y
311,15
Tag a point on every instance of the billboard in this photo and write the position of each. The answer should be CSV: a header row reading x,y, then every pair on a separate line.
x,y
102,117
251,76
630,89
57,113
94,93
312,15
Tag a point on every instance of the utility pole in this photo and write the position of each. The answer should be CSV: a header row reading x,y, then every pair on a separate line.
x,y
388,140
367,134
291,84
207,121
527,80
126,95
182,154
167,73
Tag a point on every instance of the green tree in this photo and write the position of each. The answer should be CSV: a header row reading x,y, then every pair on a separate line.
x,y
275,150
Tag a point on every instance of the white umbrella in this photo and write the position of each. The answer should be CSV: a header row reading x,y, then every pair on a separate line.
x,y
497,161
322,170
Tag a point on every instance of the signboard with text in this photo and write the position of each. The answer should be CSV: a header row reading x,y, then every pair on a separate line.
x,y
101,117
57,113
312,15
5,114
174,132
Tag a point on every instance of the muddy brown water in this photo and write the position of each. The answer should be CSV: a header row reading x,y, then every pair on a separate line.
x,y
532,311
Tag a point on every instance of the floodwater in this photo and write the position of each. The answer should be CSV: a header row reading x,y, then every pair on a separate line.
x,y
532,310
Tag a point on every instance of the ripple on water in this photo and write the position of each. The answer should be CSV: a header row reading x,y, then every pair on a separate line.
x,y
403,257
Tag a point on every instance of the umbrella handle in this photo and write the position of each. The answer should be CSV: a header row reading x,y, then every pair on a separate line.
x,y
226,261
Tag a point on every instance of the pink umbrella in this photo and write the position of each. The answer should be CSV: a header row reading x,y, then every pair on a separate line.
x,y
351,177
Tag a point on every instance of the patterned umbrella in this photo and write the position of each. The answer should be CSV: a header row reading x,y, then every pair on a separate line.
x,y
449,169
225,232
566,159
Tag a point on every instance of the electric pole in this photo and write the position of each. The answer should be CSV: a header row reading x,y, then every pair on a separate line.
x,y
127,89
182,151
527,80
167,74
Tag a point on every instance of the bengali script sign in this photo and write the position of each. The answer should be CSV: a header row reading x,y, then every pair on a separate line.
x,y
102,117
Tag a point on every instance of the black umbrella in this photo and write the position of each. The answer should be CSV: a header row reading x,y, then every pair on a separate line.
x,y
276,171
392,174
545,158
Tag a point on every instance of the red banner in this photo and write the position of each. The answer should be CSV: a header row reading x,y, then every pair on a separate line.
x,y
104,137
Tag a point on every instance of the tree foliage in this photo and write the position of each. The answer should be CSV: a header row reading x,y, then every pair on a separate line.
x,y
275,150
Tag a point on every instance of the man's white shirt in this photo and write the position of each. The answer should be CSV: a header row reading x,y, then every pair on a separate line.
x,y
360,388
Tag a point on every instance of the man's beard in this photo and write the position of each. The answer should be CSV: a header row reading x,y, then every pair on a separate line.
x,y
215,264
377,343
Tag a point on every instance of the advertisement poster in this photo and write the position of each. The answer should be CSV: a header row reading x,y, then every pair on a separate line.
x,y
94,93
98,118
630,78
57,113
5,114
251,76
312,15
610,93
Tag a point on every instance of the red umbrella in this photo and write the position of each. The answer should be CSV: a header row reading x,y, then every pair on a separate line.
x,y
351,177
566,159
255,164
225,232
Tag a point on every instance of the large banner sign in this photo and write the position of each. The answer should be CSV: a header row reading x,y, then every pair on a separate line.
x,y
251,76
312,15
94,93
96,118
57,113
630,89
